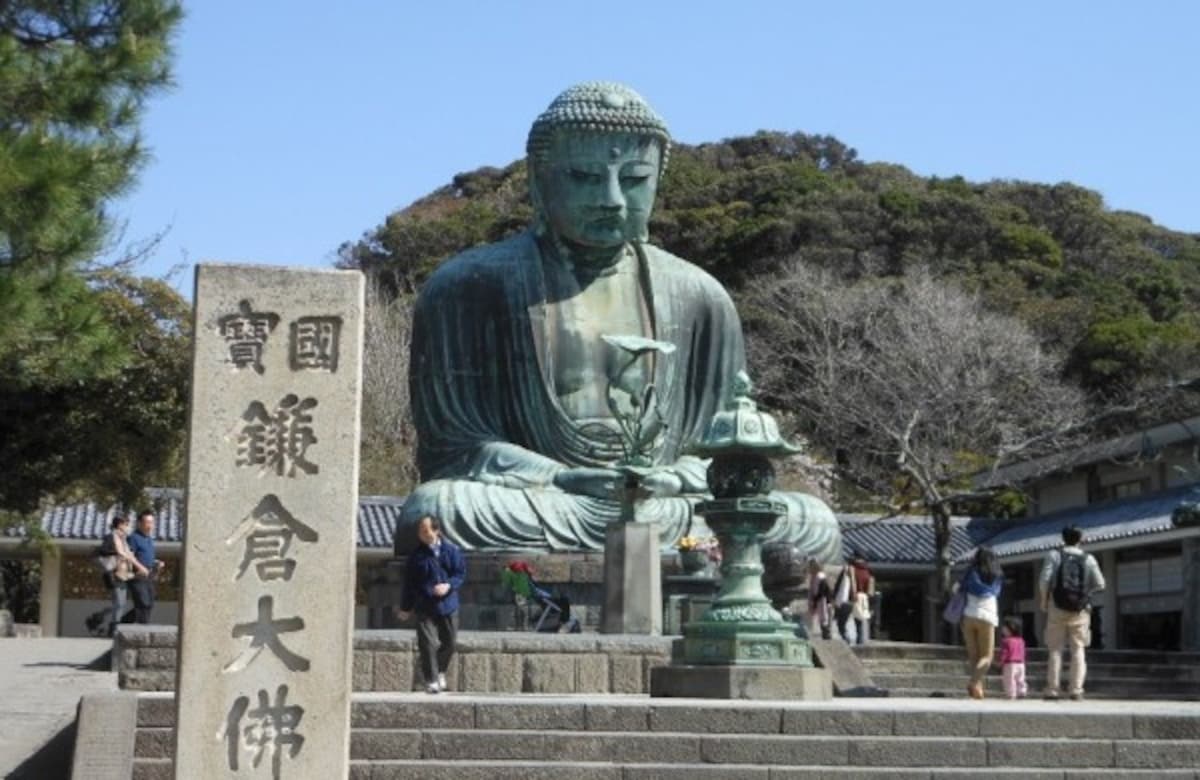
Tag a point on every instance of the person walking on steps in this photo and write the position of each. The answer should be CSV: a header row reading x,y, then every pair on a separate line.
x,y
819,597
435,575
864,593
845,594
1069,578
1012,658
980,616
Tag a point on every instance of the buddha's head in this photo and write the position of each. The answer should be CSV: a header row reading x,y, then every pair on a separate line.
x,y
595,157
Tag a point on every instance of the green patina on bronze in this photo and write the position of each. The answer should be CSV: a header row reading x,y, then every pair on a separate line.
x,y
526,369
741,626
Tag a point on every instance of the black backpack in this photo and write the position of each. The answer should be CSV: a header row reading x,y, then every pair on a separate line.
x,y
1070,583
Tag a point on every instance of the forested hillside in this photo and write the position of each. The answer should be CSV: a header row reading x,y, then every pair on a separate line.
x,y
1113,290
976,323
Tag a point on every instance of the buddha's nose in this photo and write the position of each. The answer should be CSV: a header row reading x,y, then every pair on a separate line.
x,y
612,198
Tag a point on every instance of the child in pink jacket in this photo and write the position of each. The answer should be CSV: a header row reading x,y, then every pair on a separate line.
x,y
1012,658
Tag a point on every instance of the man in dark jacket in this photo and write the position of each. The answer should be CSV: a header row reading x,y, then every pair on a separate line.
x,y
435,574
142,587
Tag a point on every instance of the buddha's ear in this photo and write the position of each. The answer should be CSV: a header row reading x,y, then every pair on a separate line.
x,y
535,198
664,153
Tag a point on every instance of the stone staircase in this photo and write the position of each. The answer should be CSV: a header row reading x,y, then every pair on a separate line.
x,y
922,670
531,737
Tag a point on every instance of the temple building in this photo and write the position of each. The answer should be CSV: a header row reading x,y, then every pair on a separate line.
x,y
1137,500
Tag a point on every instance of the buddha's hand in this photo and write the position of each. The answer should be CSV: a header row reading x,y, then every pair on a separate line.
x,y
662,483
595,482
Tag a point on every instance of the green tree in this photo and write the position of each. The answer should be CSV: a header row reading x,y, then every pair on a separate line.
x,y
92,389
74,78
912,386
1111,290
107,436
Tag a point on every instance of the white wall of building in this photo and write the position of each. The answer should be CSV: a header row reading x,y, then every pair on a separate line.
x,y
1062,494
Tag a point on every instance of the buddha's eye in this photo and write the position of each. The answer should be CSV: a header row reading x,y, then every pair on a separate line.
x,y
634,179
583,177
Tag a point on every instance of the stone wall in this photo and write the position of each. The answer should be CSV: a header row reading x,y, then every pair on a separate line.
x,y
144,658
9,628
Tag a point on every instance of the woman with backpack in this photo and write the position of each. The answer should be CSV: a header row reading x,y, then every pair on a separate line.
x,y
981,614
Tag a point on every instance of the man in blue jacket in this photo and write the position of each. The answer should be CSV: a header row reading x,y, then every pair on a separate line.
x,y
142,587
435,574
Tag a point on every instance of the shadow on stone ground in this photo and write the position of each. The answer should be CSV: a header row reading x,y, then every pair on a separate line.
x,y
101,664
52,761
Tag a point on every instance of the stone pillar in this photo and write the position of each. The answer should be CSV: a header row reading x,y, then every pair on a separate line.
x,y
50,592
269,553
632,580
1190,624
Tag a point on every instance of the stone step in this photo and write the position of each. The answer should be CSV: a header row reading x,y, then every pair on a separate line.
x,y
953,666
1123,687
877,717
959,673
911,650
1035,695
497,770
521,770
478,736
733,751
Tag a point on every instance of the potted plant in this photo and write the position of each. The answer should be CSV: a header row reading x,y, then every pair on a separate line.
x,y
695,553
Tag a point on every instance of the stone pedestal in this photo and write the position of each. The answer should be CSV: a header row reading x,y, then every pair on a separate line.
x,y
632,580
688,597
790,683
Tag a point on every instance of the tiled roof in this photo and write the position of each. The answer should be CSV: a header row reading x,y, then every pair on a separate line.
x,y
91,522
1146,443
909,539
1099,522
376,519
900,540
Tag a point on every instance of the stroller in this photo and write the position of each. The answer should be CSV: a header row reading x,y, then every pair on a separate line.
x,y
518,577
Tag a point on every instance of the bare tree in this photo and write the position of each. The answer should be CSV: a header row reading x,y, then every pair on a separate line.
x,y
389,438
911,384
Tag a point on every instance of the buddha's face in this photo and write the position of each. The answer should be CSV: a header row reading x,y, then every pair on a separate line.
x,y
597,190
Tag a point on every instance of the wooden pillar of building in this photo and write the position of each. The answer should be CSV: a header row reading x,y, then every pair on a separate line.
x,y
50,593
931,613
1108,599
1190,622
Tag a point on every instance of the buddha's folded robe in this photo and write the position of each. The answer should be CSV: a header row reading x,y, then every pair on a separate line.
x,y
493,435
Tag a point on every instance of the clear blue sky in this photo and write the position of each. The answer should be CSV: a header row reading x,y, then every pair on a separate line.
x,y
298,125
